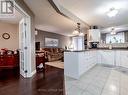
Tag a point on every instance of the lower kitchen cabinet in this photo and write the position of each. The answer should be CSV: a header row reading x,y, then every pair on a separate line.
x,y
78,62
124,59
106,57
87,59
113,57
118,58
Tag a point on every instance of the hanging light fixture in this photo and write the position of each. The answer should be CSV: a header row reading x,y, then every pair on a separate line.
x,y
36,32
77,31
113,32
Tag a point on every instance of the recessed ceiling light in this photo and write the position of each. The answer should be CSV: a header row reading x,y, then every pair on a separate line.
x,y
112,12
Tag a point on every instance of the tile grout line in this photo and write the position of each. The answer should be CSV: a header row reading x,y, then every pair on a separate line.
x,y
105,83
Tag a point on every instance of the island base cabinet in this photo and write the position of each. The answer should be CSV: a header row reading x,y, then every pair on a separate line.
x,y
87,60
77,63
71,64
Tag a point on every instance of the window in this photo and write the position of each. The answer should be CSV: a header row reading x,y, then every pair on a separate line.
x,y
117,38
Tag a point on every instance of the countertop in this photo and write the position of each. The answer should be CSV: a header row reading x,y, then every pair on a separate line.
x,y
96,49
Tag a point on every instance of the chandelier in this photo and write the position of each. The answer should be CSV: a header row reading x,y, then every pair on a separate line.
x,y
77,31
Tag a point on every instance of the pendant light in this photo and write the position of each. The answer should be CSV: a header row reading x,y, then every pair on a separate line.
x,y
77,31
113,32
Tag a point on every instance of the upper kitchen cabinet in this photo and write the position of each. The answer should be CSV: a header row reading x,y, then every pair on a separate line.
x,y
94,35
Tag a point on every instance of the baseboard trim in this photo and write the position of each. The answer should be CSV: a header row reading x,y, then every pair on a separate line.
x,y
22,73
33,73
29,75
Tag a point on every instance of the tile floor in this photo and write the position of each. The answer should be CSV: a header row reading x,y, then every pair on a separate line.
x,y
99,80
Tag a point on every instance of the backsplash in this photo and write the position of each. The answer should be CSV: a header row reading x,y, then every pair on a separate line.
x,y
116,45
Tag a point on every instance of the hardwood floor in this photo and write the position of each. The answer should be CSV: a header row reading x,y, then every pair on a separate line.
x,y
11,83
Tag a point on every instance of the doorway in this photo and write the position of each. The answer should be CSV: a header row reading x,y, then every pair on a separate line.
x,y
24,48
24,43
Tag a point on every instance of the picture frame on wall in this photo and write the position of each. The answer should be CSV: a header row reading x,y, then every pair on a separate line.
x,y
51,42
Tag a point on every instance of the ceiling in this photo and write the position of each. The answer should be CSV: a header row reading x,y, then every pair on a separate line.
x,y
14,19
116,29
47,19
94,12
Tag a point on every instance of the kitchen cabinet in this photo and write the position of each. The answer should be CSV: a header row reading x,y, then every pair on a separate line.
x,y
113,57
117,58
124,59
94,35
77,63
106,57
71,64
87,59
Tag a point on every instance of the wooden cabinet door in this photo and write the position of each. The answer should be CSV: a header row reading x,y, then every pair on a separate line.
x,y
2,62
10,60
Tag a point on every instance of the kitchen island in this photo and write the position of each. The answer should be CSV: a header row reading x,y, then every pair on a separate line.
x,y
76,63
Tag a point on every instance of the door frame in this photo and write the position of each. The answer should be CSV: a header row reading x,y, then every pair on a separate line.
x,y
28,71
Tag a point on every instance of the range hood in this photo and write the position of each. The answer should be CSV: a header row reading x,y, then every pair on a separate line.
x,y
94,27
94,34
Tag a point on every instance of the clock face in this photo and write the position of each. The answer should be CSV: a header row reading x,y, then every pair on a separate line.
x,y
6,36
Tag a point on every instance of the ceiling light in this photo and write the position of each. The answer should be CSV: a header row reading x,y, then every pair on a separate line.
x,y
36,32
77,31
113,88
81,34
113,32
112,12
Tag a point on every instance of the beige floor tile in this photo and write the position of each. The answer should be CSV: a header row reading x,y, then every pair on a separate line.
x,y
74,91
99,81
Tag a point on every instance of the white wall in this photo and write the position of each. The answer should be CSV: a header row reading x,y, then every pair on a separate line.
x,y
12,29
